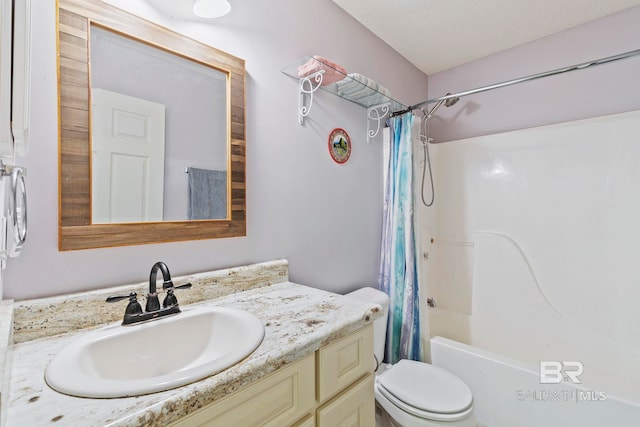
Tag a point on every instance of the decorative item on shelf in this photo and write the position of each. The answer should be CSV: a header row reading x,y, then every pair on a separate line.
x,y
362,90
332,72
339,145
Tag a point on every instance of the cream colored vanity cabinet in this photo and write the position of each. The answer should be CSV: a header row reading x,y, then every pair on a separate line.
x,y
332,387
345,381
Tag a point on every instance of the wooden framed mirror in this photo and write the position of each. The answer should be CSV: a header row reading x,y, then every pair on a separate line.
x,y
79,21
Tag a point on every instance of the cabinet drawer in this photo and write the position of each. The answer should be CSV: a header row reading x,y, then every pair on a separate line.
x,y
343,362
354,408
277,400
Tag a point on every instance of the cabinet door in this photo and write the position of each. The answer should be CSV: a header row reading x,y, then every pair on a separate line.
x,y
308,421
276,400
345,361
353,408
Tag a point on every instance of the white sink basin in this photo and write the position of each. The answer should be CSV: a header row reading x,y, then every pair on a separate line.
x,y
121,361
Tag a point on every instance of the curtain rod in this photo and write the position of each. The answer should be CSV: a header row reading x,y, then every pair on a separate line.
x,y
562,70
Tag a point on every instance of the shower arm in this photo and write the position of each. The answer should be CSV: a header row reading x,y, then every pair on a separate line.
x,y
531,77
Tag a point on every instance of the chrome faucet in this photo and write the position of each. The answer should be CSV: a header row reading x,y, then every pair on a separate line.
x,y
133,313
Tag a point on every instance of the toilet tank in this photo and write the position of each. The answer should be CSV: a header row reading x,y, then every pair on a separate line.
x,y
380,324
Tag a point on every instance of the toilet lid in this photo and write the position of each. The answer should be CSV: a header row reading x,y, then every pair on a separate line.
x,y
426,387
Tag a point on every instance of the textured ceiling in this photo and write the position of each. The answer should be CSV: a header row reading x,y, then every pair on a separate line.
x,y
436,35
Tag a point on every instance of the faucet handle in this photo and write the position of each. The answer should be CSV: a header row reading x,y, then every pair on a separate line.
x,y
171,299
133,307
185,286
121,297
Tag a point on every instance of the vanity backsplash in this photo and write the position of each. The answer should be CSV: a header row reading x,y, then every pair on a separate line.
x,y
44,317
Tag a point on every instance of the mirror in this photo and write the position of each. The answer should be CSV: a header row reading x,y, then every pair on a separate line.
x,y
154,117
115,93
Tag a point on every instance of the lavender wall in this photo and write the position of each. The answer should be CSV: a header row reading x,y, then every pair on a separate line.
x,y
325,218
606,89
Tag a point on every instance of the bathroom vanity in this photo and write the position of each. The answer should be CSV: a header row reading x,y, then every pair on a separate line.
x,y
332,387
313,368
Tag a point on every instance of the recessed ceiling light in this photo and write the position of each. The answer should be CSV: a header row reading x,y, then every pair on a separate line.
x,y
211,8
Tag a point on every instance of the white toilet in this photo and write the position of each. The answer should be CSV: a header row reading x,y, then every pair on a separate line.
x,y
415,394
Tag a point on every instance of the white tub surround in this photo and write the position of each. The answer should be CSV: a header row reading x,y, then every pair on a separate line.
x,y
544,219
298,320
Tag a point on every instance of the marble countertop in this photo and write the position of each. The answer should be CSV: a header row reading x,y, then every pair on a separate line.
x,y
6,346
298,320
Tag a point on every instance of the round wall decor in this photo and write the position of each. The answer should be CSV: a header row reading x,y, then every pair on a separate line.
x,y
339,145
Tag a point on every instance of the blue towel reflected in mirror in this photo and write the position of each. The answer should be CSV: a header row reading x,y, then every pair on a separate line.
x,y
207,194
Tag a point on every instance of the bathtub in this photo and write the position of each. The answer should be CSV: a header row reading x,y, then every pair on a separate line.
x,y
508,393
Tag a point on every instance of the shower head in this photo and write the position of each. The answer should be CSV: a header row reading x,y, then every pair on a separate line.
x,y
448,103
451,101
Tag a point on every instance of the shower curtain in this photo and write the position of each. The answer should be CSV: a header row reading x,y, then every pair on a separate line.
x,y
398,270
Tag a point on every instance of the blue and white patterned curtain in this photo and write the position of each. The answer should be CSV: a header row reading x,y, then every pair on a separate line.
x,y
398,270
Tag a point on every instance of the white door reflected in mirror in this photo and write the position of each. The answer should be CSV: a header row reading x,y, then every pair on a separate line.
x,y
128,158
